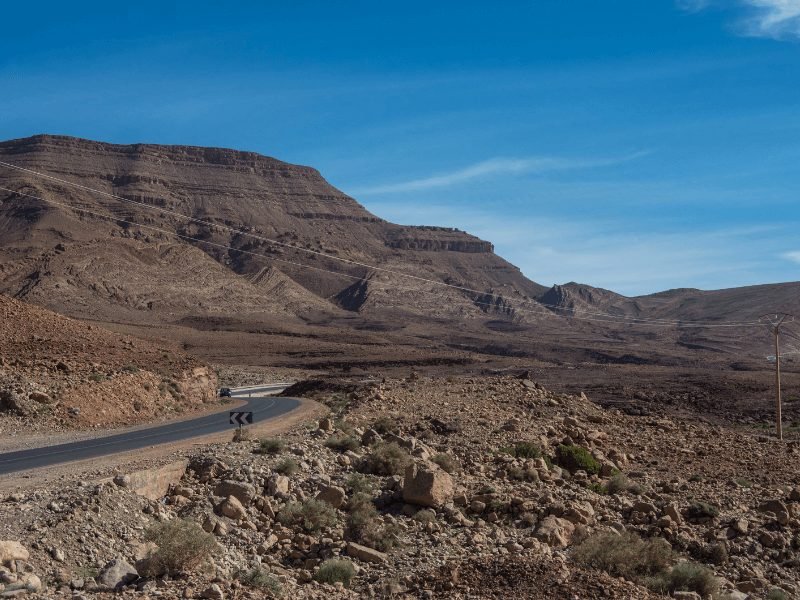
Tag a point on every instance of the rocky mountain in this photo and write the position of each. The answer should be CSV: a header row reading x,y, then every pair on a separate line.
x,y
97,255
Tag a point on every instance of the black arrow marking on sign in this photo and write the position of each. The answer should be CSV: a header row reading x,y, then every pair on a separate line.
x,y
241,418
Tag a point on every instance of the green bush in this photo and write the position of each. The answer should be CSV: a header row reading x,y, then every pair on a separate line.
x,y
576,458
386,459
271,446
335,570
777,594
447,462
97,377
686,577
288,466
130,369
702,510
624,555
312,515
342,443
181,545
261,579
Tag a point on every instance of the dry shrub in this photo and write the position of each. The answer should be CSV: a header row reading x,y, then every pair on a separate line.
x,y
624,555
312,515
335,570
386,459
182,546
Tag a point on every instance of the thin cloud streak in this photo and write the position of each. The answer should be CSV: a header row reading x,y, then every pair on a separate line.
x,y
793,256
491,167
774,19
777,19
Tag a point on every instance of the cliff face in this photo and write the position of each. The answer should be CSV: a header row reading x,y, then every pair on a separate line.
x,y
81,263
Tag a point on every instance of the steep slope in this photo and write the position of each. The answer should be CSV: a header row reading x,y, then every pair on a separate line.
x,y
306,218
66,373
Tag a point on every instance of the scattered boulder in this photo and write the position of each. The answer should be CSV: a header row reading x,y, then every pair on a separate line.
x,y
555,531
117,573
365,553
426,484
243,492
232,508
333,495
11,550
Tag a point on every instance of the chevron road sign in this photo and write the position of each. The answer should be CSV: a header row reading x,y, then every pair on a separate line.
x,y
241,418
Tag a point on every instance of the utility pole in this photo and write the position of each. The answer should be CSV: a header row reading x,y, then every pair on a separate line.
x,y
775,321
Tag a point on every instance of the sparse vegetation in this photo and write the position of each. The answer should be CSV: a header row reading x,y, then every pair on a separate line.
x,y
777,594
287,466
523,450
620,483
447,462
97,377
261,579
359,484
685,577
364,526
702,510
342,443
385,424
624,555
271,446
335,570
312,515
182,546
576,458
130,369
386,459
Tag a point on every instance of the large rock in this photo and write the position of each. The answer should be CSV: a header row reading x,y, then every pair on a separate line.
x,y
244,492
11,550
153,483
426,484
366,554
117,573
333,495
579,512
278,485
232,508
554,531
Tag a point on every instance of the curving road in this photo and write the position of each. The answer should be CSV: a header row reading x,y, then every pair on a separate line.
x,y
263,406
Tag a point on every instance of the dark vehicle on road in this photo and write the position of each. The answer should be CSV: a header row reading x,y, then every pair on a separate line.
x,y
224,392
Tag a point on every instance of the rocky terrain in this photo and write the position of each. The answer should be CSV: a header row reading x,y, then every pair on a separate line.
x,y
420,487
59,373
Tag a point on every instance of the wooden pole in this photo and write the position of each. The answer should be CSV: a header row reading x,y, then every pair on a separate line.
x,y
778,384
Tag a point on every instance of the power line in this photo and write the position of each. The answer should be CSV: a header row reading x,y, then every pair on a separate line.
x,y
574,310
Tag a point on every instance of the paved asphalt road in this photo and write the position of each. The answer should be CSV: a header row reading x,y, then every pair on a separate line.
x,y
263,407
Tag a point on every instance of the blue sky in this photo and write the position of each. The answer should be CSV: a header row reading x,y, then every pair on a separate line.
x,y
632,145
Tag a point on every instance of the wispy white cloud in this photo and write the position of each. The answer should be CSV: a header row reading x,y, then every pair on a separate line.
x,y
779,19
793,256
776,19
492,167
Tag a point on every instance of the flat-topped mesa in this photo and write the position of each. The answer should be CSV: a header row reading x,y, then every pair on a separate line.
x,y
256,212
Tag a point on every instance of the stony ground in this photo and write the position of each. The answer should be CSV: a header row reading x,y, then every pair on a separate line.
x,y
431,488
59,374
